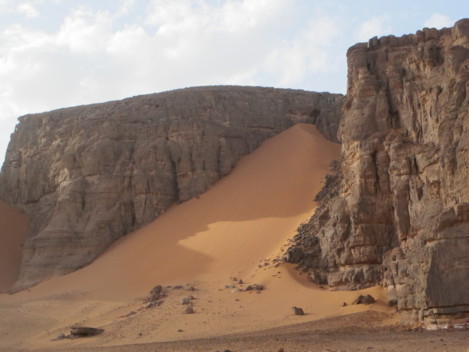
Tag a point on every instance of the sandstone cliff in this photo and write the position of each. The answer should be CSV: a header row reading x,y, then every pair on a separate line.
x,y
397,210
88,175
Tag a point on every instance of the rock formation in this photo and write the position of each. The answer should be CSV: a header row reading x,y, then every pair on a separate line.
x,y
397,210
88,175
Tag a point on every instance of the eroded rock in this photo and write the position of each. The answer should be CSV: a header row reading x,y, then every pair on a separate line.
x,y
90,174
396,212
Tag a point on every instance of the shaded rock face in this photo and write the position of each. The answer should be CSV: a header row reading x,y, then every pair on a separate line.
x,y
396,212
88,175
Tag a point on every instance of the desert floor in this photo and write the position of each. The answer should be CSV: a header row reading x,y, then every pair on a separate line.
x,y
209,250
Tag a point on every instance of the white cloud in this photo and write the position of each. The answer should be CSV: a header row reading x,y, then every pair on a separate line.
x,y
375,26
96,55
27,9
308,52
438,20
5,6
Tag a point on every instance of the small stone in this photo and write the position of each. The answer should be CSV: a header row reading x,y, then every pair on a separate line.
x,y
392,303
156,293
129,314
189,310
180,330
344,304
298,311
187,300
60,337
84,331
254,287
364,299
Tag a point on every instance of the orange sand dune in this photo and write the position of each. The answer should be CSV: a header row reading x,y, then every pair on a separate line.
x,y
227,232
244,218
13,227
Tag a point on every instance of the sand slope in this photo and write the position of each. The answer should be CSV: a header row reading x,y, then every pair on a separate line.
x,y
13,227
233,230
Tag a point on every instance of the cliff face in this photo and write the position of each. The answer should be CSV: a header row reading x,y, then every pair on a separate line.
x,y
88,175
396,213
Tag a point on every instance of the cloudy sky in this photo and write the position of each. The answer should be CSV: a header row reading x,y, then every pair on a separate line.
x,y
57,53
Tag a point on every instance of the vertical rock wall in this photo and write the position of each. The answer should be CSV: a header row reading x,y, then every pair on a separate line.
x,y
88,175
397,211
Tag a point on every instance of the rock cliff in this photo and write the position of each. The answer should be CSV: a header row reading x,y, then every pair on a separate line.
x,y
396,212
88,175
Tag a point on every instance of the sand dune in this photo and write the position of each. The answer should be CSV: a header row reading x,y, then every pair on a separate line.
x,y
233,230
13,227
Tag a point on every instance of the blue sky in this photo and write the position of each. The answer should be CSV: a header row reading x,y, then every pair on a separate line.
x,y
57,53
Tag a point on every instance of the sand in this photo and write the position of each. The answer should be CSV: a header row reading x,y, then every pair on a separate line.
x,y
13,227
201,248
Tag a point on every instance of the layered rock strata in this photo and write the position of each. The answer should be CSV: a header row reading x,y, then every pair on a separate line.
x,y
396,212
88,175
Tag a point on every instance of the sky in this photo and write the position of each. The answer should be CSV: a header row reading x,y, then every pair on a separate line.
x,y
59,53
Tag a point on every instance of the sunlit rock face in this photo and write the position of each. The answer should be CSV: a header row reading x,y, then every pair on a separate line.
x,y
88,175
397,211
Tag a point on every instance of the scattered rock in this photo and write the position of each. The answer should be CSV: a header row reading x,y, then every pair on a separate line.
x,y
281,349
253,287
189,310
364,299
84,331
187,300
392,303
60,337
129,314
177,287
344,304
156,293
152,304
298,311
180,330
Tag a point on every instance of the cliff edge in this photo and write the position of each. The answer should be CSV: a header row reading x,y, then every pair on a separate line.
x,y
396,212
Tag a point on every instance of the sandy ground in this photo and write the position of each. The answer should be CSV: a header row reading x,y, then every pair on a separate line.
x,y
203,248
13,227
